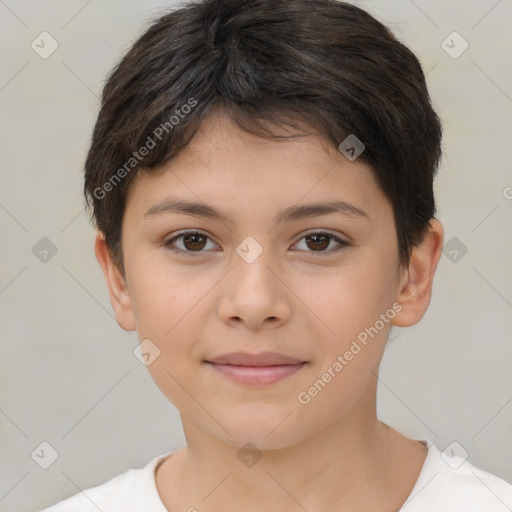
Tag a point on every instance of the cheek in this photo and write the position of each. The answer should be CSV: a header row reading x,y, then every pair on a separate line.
x,y
352,316
347,299
169,311
164,296
350,340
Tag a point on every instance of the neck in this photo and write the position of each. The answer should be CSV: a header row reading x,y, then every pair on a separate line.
x,y
350,465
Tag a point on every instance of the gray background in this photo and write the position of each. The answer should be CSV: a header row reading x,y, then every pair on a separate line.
x,y
67,372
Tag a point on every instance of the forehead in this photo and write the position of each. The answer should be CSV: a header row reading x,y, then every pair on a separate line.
x,y
220,138
226,165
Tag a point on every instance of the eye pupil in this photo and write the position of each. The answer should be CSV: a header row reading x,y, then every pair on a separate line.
x,y
194,240
323,240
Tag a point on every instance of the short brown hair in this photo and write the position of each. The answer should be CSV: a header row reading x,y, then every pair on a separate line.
x,y
325,64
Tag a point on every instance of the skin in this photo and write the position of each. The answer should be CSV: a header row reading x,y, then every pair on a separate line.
x,y
332,454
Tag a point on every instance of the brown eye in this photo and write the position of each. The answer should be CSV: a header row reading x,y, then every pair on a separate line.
x,y
318,242
190,242
194,242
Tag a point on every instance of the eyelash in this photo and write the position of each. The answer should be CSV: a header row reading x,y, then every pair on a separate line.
x,y
342,243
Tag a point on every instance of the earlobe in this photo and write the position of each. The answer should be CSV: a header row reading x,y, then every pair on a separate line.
x,y
117,288
415,287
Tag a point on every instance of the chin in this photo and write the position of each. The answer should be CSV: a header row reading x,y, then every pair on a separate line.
x,y
272,431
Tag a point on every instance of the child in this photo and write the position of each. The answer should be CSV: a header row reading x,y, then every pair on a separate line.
x,y
261,175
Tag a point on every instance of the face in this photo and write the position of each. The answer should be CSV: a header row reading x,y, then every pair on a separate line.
x,y
266,275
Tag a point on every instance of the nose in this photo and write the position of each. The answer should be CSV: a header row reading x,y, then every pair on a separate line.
x,y
254,296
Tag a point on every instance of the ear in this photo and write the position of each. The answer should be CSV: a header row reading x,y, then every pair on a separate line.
x,y
117,288
415,287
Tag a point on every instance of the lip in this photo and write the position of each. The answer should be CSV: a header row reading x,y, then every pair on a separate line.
x,y
261,359
256,369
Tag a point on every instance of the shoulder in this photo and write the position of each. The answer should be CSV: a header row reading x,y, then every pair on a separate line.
x,y
134,490
448,482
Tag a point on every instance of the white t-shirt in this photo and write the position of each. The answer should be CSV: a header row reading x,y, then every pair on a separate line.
x,y
445,484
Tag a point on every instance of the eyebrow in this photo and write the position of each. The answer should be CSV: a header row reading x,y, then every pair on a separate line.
x,y
289,214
